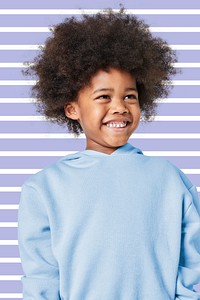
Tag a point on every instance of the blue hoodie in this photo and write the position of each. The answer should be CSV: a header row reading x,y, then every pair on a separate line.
x,y
124,226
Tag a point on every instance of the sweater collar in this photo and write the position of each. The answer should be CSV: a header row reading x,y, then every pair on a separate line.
x,y
125,149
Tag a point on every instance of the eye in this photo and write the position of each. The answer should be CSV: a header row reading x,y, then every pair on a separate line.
x,y
131,97
103,98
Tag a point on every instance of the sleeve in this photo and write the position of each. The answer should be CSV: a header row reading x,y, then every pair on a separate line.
x,y
188,278
41,275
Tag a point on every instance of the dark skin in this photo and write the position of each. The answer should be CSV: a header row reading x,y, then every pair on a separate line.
x,y
107,109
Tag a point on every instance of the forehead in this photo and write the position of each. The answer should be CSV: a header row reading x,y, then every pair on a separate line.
x,y
112,76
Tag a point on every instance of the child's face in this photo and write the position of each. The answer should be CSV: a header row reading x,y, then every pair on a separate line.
x,y
107,109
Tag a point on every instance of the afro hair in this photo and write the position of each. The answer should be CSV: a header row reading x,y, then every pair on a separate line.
x,y
78,48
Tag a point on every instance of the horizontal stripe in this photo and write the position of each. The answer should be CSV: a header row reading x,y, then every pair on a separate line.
x,y
33,171
8,242
18,189
48,29
164,100
82,136
63,153
154,118
9,206
10,260
8,224
94,11
10,277
23,65
37,47
10,189
11,296
33,82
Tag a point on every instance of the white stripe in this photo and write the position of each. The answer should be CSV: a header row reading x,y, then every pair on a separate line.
x,y
176,65
82,136
40,136
94,11
8,224
19,100
8,242
48,29
184,47
35,153
164,100
13,65
19,171
17,82
33,82
11,296
10,260
185,82
33,171
187,65
172,153
9,206
176,100
198,188
174,29
20,47
191,171
10,277
64,153
37,47
154,118
18,189
10,189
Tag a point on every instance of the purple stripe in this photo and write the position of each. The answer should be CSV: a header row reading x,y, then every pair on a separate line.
x,y
79,144
25,91
13,180
10,287
18,180
28,55
39,38
8,233
11,269
100,4
9,38
42,162
17,55
49,20
188,56
188,74
9,251
163,109
9,198
26,162
8,215
11,74
16,74
145,127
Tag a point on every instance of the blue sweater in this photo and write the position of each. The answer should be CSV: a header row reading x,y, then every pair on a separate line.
x,y
123,226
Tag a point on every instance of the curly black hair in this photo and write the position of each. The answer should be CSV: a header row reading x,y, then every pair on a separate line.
x,y
78,48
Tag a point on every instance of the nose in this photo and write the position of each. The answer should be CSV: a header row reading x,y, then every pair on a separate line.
x,y
119,106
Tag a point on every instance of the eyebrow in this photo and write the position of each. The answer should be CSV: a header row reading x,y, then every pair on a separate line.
x,y
106,90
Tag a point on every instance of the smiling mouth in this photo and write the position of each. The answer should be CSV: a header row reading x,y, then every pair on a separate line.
x,y
115,124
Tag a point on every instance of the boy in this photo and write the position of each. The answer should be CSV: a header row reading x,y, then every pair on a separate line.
x,y
107,223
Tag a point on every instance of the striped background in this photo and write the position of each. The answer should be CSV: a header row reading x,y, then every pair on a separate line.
x,y
29,143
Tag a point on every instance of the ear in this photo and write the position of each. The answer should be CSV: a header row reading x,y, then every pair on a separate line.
x,y
71,111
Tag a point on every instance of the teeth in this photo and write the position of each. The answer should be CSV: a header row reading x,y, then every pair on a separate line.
x,y
117,124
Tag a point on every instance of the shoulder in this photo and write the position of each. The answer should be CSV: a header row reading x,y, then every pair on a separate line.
x,y
52,172
167,170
